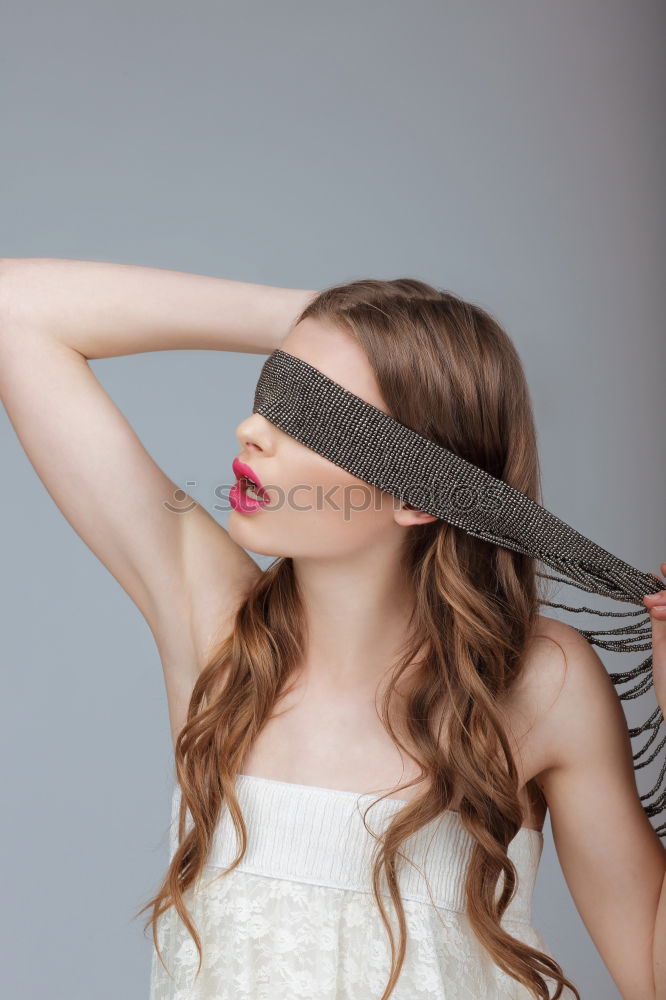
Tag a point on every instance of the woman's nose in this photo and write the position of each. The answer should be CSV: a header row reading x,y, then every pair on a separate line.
x,y
255,432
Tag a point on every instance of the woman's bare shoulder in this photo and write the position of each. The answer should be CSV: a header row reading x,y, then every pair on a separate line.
x,y
562,679
549,654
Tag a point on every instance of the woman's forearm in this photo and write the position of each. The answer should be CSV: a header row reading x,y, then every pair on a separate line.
x,y
107,309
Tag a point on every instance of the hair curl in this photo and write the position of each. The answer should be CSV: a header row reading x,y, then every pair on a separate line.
x,y
447,369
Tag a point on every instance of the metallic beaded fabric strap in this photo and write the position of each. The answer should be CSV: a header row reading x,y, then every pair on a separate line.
x,y
375,447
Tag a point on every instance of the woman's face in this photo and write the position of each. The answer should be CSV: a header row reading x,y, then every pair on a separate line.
x,y
316,509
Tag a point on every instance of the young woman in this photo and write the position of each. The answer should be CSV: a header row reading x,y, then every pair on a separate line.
x,y
367,734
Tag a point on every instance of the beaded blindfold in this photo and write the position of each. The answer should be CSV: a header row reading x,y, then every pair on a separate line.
x,y
375,447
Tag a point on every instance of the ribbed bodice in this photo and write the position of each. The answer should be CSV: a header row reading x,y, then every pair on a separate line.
x,y
316,835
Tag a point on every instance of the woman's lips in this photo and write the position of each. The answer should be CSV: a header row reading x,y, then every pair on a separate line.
x,y
238,496
243,503
242,469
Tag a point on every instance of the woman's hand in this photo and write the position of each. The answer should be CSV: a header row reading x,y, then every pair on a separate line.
x,y
656,604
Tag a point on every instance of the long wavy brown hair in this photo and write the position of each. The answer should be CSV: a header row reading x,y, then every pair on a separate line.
x,y
447,369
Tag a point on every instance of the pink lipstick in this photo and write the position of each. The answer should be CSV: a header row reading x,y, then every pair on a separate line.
x,y
247,495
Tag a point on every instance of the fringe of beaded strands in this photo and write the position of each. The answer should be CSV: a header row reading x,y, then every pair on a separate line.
x,y
638,636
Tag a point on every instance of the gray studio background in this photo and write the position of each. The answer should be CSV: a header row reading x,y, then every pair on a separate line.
x,y
512,152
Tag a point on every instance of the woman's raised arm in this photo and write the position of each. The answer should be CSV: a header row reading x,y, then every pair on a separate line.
x,y
104,310
182,570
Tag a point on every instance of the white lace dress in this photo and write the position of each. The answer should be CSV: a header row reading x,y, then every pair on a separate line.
x,y
297,918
